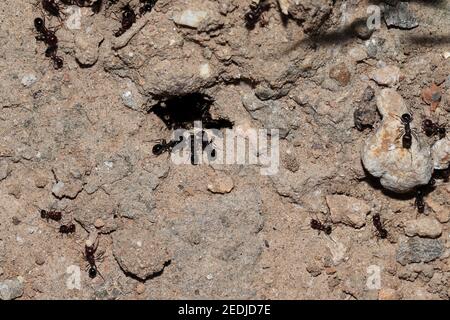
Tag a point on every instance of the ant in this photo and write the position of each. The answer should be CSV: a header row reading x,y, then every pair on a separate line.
x,y
203,136
58,61
421,192
67,229
128,18
430,128
51,215
46,35
147,7
442,174
419,202
317,225
96,6
406,133
164,146
90,249
256,9
382,232
52,8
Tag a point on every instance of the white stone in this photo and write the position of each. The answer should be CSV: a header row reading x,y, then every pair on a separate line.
x,y
28,80
191,18
399,169
441,153
205,71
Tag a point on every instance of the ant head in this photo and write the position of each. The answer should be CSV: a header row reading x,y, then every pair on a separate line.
x,y
427,123
58,63
376,217
328,230
406,118
158,149
383,234
39,24
43,213
315,224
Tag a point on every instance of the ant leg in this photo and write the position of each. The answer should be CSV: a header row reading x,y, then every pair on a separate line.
x,y
401,133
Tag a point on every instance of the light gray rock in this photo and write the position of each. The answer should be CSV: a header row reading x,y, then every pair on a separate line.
x,y
416,250
400,16
191,18
5,170
28,80
399,169
11,289
424,227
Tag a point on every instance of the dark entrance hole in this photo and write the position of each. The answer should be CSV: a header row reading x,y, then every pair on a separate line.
x,y
180,112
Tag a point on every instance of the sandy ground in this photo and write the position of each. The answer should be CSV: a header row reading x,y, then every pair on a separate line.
x,y
79,141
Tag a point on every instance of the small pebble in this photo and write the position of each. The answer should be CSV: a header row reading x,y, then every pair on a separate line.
x,y
39,260
341,74
16,221
99,223
191,18
313,269
386,76
424,227
348,210
28,80
388,294
127,99
11,289
223,184
358,54
140,288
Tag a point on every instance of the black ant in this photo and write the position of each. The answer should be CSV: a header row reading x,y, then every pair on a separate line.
x,y
51,215
406,133
89,254
382,232
67,229
58,61
317,225
52,8
147,7
46,35
430,128
128,19
203,136
256,9
96,6
421,192
442,174
419,201
164,146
